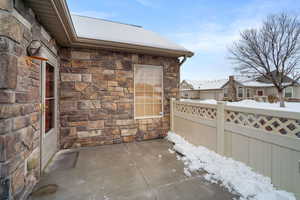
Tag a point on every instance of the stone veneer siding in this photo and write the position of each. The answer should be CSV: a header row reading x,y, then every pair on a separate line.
x,y
97,97
19,103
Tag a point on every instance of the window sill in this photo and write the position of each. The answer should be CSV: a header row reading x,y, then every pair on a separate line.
x,y
149,117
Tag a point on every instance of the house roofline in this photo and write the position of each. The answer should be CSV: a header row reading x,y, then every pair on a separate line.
x,y
61,11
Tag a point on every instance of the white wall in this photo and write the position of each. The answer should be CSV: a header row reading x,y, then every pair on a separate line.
x,y
189,94
211,94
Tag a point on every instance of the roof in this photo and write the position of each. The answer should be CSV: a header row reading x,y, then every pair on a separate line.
x,y
94,28
207,84
79,31
219,84
258,84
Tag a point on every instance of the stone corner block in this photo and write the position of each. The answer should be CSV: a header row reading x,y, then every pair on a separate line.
x,y
6,5
8,71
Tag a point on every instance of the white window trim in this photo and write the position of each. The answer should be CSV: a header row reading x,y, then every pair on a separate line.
x,y
237,92
248,92
162,85
292,92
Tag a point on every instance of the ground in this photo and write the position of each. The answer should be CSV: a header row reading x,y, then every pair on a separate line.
x,y
142,170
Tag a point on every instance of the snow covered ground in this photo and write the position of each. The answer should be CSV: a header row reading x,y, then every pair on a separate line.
x,y
290,106
233,175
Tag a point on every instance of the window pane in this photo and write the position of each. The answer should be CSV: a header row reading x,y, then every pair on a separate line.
x,y
288,92
148,90
49,98
139,110
139,87
240,92
49,115
157,109
149,110
260,93
49,81
225,92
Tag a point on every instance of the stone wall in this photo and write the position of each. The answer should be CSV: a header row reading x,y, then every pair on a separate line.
x,y
19,103
96,97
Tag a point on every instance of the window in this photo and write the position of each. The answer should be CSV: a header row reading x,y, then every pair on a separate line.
x,y
240,92
49,98
288,92
248,92
148,91
260,93
225,92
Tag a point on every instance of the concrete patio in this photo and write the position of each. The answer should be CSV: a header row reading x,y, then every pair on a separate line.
x,y
144,170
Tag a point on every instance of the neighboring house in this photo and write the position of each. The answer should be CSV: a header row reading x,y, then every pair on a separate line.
x,y
193,89
71,81
236,88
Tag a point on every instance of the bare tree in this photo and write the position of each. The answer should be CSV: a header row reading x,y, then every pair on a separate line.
x,y
271,52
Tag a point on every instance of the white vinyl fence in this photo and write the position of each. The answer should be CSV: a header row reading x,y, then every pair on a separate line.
x,y
266,140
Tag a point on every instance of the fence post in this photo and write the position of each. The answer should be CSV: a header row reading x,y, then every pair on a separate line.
x,y
220,127
172,113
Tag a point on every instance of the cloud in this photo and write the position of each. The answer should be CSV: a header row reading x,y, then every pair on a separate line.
x,y
211,36
96,14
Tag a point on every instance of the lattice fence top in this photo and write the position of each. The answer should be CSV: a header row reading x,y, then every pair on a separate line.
x,y
276,125
196,110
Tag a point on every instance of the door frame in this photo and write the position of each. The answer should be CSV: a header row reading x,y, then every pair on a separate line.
x,y
50,139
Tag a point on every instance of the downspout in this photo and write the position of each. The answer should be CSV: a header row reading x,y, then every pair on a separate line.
x,y
183,60
180,63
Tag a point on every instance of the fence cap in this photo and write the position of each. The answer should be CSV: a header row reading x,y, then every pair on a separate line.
x,y
222,102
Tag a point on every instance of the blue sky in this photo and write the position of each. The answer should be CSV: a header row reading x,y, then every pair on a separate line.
x,y
206,27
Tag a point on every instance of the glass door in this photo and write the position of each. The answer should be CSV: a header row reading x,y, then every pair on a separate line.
x,y
49,99
49,112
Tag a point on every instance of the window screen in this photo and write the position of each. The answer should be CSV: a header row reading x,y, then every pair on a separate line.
x,y
225,92
148,91
248,92
288,92
240,92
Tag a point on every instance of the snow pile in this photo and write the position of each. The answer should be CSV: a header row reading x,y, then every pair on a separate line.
x,y
290,106
206,101
233,175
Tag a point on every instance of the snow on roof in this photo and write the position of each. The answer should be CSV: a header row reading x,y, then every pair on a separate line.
x,y
256,84
207,84
94,28
253,83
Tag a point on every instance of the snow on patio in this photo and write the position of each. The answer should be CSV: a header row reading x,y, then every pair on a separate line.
x,y
290,106
233,175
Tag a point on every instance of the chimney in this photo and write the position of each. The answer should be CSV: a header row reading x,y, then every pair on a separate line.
x,y
231,89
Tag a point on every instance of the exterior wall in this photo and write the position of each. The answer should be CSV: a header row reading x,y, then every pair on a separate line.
x,y
212,94
19,102
96,97
184,85
202,94
296,92
190,94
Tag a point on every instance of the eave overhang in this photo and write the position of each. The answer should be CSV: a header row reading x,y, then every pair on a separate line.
x,y
55,16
